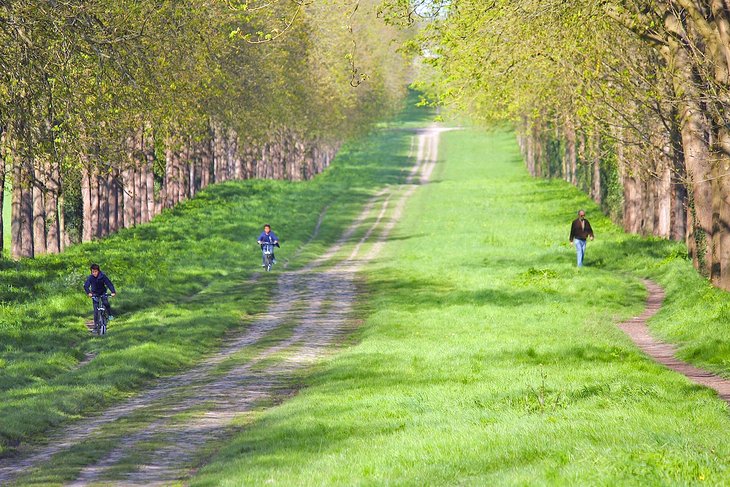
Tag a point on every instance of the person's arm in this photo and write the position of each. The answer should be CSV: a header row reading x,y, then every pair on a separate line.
x,y
572,232
86,285
109,284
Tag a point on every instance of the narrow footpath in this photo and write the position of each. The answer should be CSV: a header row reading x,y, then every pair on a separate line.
x,y
664,353
161,436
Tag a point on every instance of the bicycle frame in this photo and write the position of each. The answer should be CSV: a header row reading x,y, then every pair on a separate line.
x,y
268,251
101,316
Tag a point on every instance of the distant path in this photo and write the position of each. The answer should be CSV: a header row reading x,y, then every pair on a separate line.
x,y
664,353
158,436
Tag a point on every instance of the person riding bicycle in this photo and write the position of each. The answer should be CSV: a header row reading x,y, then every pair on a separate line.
x,y
96,285
269,237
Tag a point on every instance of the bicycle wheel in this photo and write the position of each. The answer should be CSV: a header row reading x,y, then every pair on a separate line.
x,y
103,318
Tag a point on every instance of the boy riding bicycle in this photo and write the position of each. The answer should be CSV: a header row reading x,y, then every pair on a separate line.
x,y
269,237
96,285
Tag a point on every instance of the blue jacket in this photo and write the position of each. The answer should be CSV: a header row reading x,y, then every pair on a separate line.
x,y
98,285
270,238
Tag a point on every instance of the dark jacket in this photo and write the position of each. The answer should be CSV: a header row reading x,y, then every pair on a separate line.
x,y
97,285
580,233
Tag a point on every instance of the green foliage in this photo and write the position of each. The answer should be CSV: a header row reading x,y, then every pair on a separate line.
x,y
83,76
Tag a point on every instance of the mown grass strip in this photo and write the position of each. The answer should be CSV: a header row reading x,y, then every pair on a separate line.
x,y
488,358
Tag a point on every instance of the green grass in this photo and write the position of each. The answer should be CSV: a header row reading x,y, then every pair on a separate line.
x,y
487,358
183,282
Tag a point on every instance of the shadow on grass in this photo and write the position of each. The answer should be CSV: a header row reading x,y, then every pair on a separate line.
x,y
423,294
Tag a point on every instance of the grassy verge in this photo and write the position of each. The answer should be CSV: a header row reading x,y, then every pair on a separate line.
x,y
488,358
183,281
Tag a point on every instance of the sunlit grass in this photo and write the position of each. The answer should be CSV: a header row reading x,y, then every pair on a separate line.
x,y
487,358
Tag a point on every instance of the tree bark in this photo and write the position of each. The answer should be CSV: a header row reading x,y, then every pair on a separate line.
x,y
16,219
570,162
128,195
149,145
694,130
104,208
723,163
53,220
169,182
26,209
662,224
87,233
595,150
139,198
39,211
95,215
4,150
113,186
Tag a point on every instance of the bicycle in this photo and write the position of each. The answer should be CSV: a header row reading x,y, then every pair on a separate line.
x,y
267,249
101,314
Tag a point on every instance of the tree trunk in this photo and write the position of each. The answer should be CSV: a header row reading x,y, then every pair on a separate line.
x,y
694,135
139,198
87,233
647,183
662,225
63,237
169,181
570,162
111,183
4,150
128,195
595,151
95,203
632,203
723,163
205,163
193,169
149,145
39,212
53,221
104,206
183,163
16,218
26,209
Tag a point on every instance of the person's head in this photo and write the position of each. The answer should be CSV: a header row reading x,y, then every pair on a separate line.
x,y
95,270
267,228
581,214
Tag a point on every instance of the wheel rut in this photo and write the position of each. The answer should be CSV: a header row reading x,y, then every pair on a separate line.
x,y
159,435
638,330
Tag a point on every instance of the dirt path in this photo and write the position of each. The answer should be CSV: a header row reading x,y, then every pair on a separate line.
x,y
637,329
160,435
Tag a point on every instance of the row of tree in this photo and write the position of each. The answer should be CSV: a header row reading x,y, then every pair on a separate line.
x,y
112,110
628,99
